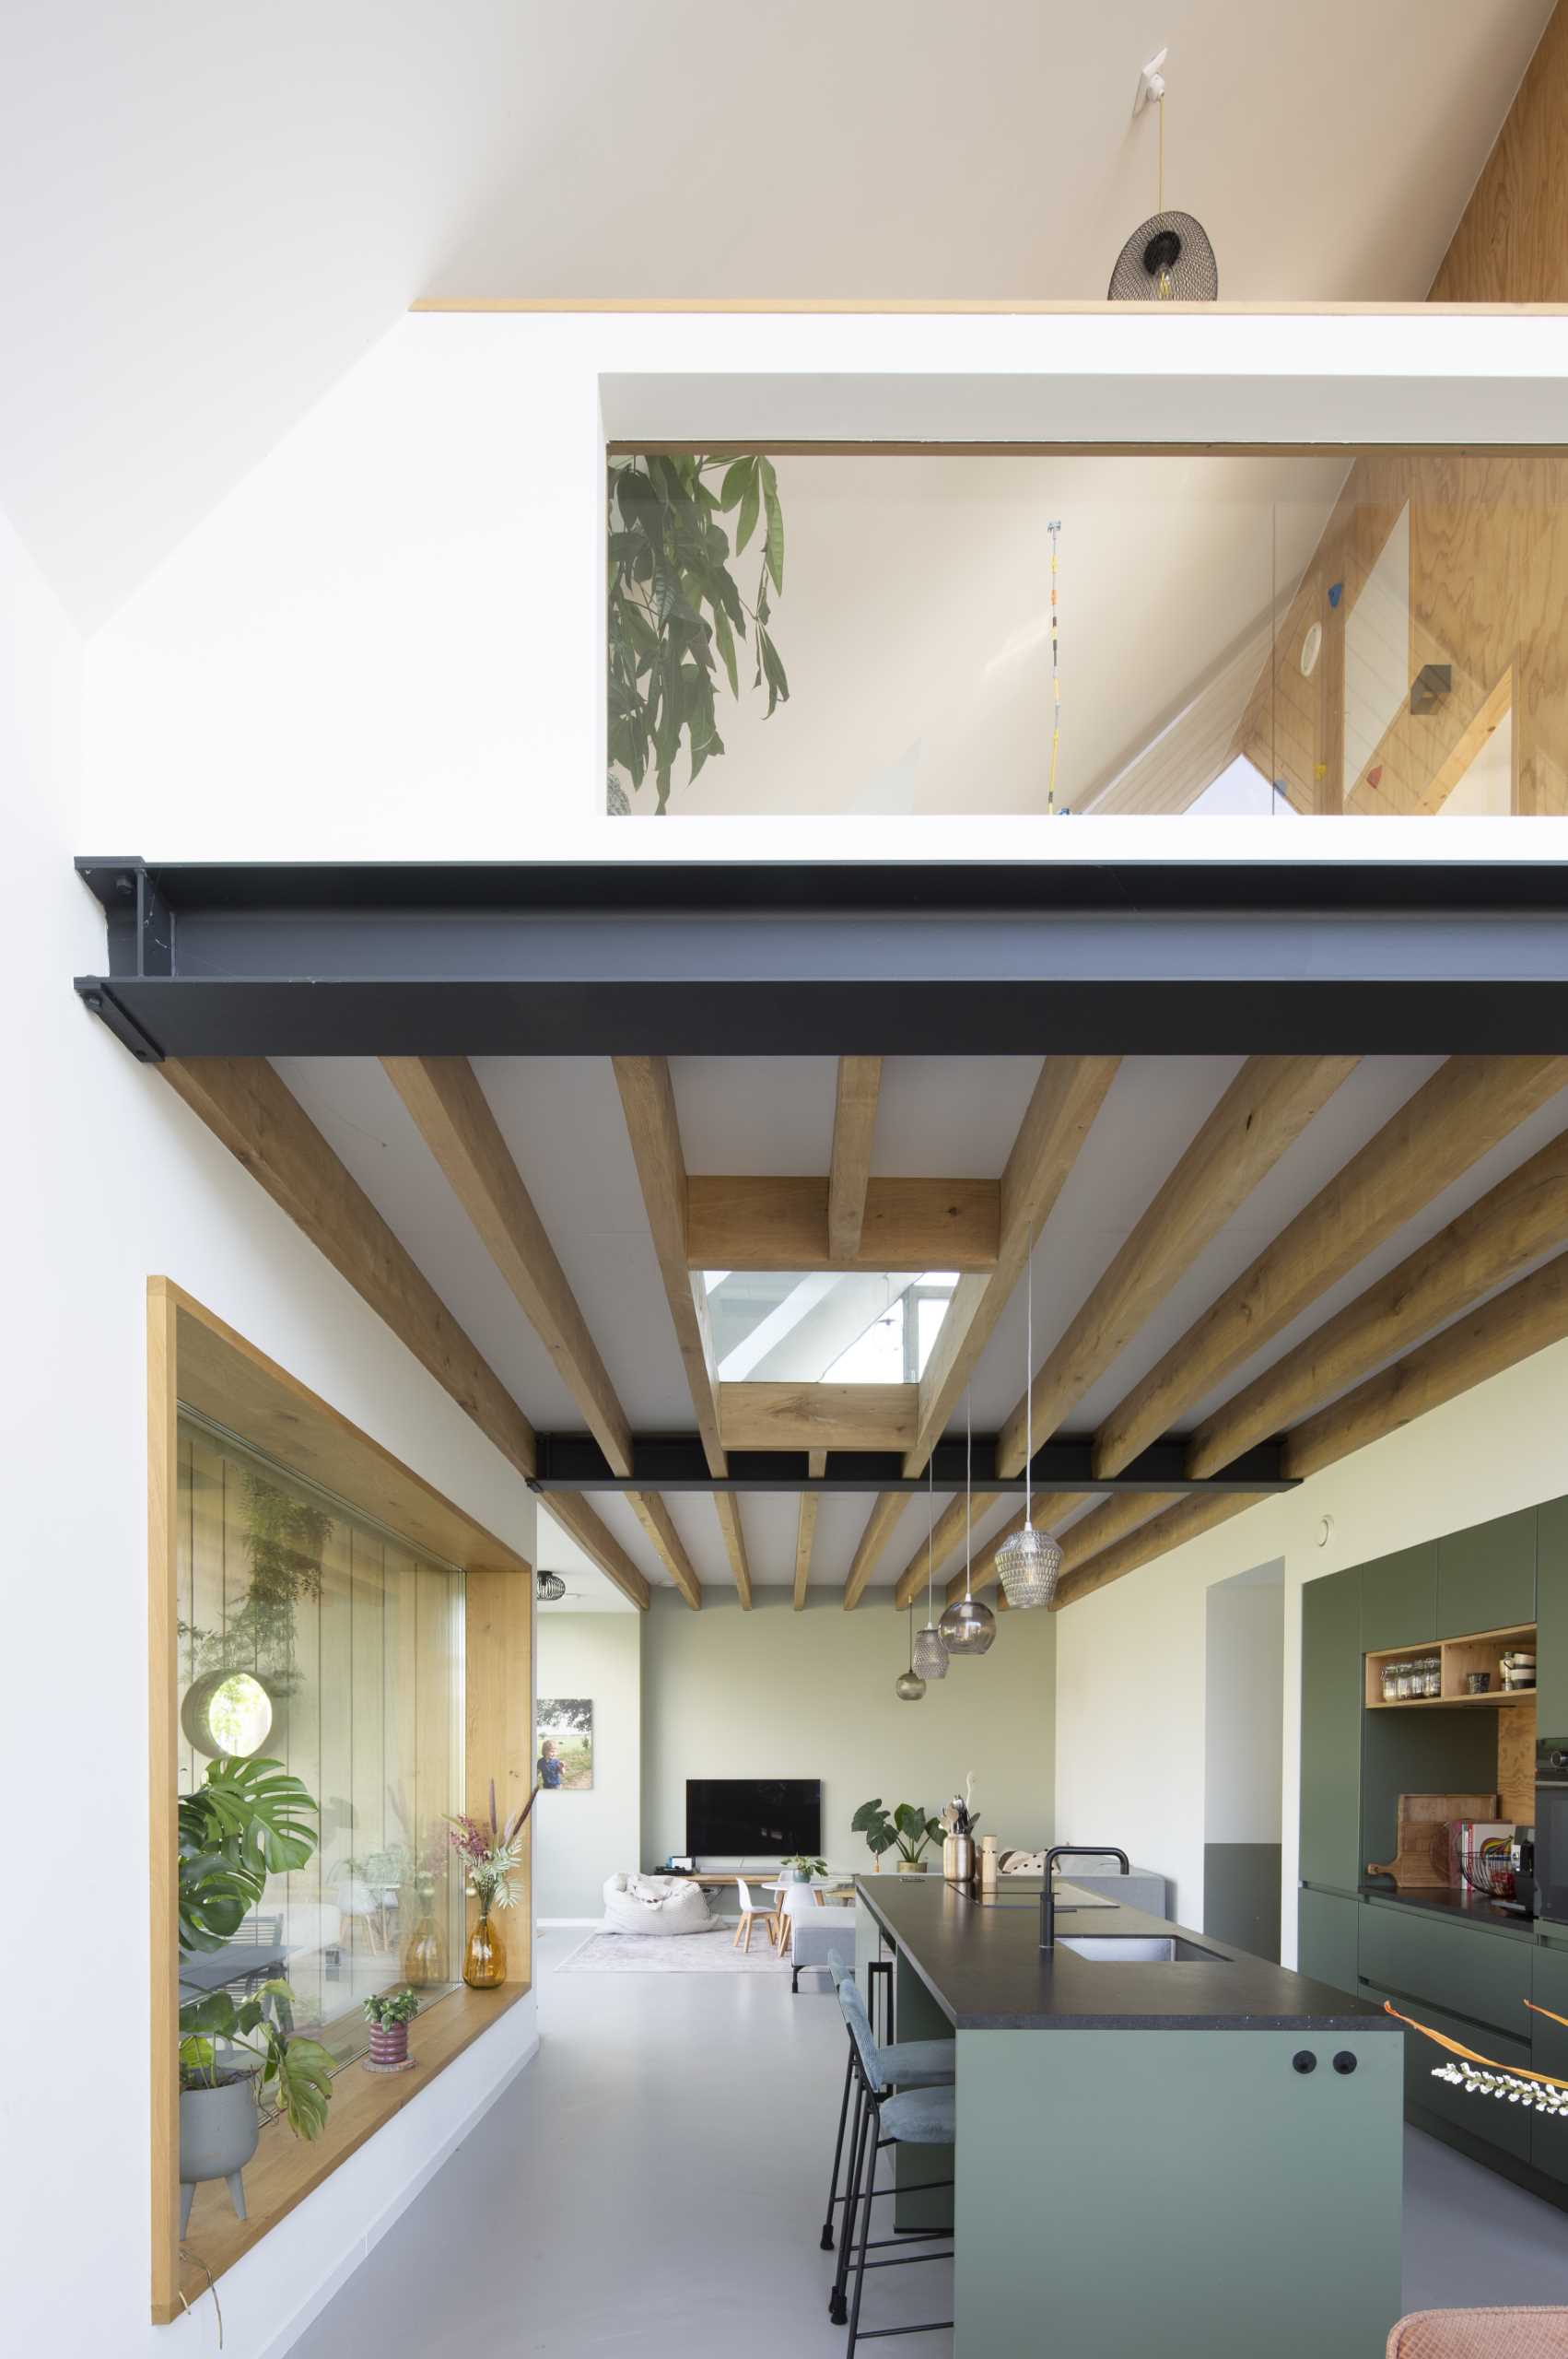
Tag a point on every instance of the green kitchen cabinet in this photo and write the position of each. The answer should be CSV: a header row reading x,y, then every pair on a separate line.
x,y
1551,1616
1328,1937
1548,2134
1426,1958
1486,1576
1330,1730
1399,1599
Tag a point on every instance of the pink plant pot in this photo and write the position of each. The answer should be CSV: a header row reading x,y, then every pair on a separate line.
x,y
389,2048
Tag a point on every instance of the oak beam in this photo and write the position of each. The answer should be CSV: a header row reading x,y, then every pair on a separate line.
x,y
1469,1104
597,1543
726,1507
811,1417
453,1116
647,1099
889,1507
1511,1327
854,1124
1265,1110
1067,1095
1525,1217
742,1221
246,1106
657,1521
805,1533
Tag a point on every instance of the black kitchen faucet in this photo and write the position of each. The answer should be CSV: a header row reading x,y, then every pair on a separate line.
x,y
1070,1851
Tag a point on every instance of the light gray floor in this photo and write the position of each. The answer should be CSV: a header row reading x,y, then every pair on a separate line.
x,y
654,2184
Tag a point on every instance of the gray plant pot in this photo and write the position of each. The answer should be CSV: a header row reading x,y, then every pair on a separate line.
x,y
218,2131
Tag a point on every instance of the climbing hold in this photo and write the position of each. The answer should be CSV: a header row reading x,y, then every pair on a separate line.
x,y
1320,769
1336,592
1375,775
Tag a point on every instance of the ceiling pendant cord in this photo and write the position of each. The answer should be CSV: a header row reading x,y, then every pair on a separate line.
x,y
1054,530
969,1487
1029,1565
930,1657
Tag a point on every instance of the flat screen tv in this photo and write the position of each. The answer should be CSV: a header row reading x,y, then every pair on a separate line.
x,y
743,1817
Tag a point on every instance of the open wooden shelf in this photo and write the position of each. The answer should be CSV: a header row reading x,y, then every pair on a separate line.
x,y
1482,1650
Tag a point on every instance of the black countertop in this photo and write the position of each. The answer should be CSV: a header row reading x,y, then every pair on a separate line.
x,y
982,1963
1459,1906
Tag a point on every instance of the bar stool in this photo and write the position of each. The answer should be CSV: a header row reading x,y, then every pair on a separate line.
x,y
923,2067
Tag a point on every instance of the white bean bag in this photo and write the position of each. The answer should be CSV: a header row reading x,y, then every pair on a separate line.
x,y
655,1905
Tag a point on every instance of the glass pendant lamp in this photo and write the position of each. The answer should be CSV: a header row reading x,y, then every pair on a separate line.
x,y
930,1656
967,1627
909,1686
1029,1565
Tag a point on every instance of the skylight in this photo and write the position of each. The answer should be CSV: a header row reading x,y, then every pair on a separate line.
x,y
825,1326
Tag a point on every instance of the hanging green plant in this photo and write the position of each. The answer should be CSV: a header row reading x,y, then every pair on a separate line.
x,y
676,610
285,1538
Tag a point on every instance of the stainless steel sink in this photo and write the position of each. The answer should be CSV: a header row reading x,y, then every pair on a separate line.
x,y
1139,1949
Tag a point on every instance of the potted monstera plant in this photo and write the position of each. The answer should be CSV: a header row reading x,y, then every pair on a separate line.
x,y
246,1821
908,1829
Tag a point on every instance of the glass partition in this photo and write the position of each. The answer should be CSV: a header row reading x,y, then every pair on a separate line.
x,y
310,1636
893,634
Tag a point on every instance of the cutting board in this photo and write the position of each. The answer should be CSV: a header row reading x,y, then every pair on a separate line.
x,y
1421,1857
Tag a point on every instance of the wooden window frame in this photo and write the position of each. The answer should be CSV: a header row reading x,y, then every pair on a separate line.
x,y
196,1361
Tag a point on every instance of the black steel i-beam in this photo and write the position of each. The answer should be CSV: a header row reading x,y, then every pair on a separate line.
x,y
1298,956
677,1463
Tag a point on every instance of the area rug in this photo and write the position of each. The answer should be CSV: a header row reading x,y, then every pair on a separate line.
x,y
672,1954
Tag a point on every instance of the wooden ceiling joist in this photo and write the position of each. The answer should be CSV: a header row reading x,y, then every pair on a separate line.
x,y
956,1518
453,1116
246,1104
746,1222
656,1521
813,1417
805,1531
1525,1217
647,1099
1066,1097
1266,1108
1512,1326
854,1126
597,1543
1467,1106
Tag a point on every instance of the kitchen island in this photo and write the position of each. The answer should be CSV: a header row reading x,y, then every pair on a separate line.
x,y
1164,2144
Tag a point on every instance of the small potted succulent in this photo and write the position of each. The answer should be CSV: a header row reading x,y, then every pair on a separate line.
x,y
389,2014
908,1828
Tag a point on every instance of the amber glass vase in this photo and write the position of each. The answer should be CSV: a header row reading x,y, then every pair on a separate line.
x,y
485,1960
424,1954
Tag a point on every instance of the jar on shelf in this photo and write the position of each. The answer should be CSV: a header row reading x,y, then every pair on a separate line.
x,y
1407,1682
1390,1683
1432,1680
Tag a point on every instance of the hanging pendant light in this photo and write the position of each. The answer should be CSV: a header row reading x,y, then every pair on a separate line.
x,y
909,1686
967,1627
929,1656
1029,1565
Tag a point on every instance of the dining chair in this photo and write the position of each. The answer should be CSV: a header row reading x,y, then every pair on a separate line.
x,y
792,1899
750,1913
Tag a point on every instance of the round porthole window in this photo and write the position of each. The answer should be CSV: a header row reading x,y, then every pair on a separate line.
x,y
1311,648
226,1712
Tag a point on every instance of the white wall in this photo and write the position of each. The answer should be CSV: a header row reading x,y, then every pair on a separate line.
x,y
1242,1766
387,642
777,1694
581,1838
1130,1660
106,1179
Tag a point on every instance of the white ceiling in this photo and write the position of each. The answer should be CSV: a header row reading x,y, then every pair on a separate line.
x,y
945,1118
206,214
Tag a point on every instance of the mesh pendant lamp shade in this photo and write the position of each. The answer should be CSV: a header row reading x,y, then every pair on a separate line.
x,y
967,1627
930,1656
1029,1566
908,1686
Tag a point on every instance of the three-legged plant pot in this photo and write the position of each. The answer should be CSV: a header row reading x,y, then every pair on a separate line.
x,y
218,2132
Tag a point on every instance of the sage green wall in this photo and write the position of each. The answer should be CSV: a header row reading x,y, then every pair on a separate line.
x,y
777,1694
581,1838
